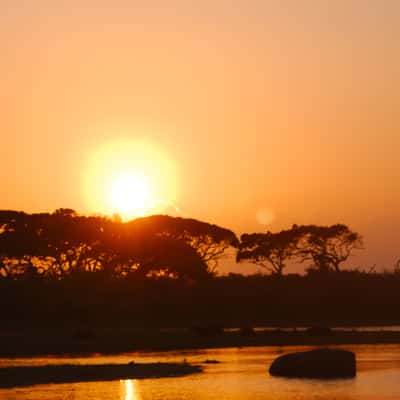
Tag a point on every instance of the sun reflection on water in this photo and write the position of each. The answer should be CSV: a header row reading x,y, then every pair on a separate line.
x,y
130,390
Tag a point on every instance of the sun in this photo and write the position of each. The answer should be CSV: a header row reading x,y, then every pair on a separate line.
x,y
131,195
131,179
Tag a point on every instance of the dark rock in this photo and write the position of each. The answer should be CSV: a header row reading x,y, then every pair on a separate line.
x,y
320,364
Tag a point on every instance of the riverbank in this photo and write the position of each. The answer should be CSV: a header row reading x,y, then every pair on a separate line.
x,y
25,376
114,341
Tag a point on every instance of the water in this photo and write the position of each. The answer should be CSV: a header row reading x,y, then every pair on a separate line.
x,y
242,374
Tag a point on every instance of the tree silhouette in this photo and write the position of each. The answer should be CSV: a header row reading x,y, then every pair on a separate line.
x,y
210,241
64,243
328,246
270,250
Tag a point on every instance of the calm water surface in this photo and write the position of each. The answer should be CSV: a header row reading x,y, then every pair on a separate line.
x,y
242,374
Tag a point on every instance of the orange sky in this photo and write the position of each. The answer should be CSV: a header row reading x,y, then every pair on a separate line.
x,y
283,108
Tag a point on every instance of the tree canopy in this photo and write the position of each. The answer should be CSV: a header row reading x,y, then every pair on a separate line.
x,y
327,247
270,250
63,243
210,241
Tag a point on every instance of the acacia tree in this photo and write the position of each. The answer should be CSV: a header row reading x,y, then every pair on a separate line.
x,y
162,256
270,251
18,243
328,246
64,243
54,244
208,240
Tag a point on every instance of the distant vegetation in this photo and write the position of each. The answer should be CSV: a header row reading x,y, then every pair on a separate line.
x,y
162,270
326,247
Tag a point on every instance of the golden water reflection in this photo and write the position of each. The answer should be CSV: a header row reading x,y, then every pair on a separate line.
x,y
130,390
241,374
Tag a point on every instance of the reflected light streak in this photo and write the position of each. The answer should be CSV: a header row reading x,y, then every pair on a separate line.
x,y
131,390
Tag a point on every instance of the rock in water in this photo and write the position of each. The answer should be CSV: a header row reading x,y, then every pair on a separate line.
x,y
319,364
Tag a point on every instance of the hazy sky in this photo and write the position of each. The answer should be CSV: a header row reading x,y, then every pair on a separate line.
x,y
273,111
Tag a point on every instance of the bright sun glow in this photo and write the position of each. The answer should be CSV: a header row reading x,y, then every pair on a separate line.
x,y
130,195
131,179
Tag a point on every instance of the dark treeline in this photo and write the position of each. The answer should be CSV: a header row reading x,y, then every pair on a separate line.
x,y
161,270
62,244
